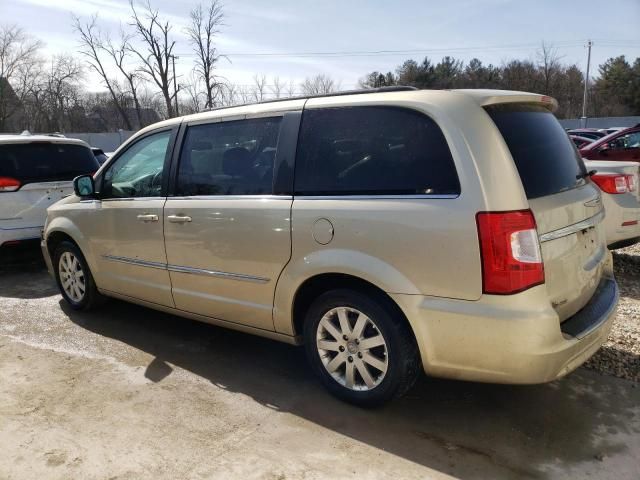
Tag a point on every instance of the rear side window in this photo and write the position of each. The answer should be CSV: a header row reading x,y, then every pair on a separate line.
x,y
545,157
372,151
229,158
45,161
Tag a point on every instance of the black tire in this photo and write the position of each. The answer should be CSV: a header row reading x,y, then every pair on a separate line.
x,y
402,355
91,298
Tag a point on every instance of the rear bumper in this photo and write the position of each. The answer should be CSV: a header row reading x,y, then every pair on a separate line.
x,y
516,339
621,213
14,234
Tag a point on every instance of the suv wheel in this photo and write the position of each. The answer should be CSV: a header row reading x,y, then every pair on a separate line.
x,y
362,353
74,277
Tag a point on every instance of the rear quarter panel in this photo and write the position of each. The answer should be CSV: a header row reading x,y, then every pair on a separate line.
x,y
419,246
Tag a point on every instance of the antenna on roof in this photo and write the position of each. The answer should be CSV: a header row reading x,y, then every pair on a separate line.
x,y
25,133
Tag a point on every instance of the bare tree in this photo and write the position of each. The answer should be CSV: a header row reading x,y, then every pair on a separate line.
x,y
205,25
291,89
91,45
156,57
259,88
318,85
193,88
57,95
119,55
19,61
277,89
227,94
243,94
549,64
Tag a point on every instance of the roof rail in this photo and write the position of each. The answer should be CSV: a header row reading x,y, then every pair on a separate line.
x,y
394,88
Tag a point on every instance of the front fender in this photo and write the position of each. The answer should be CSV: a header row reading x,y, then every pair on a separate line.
x,y
66,226
347,262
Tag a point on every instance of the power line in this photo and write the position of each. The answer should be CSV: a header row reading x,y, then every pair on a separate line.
x,y
424,51
356,53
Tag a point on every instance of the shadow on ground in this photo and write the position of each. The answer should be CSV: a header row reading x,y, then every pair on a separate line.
x,y
519,431
21,273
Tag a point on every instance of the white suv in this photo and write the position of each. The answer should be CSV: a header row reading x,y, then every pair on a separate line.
x,y
35,172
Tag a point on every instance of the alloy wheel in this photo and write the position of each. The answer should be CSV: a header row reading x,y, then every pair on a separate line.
x,y
72,276
352,348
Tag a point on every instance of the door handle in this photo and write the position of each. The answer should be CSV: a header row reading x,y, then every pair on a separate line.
x,y
148,217
179,218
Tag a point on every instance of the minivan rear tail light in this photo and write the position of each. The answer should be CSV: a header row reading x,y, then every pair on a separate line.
x,y
510,251
615,183
8,184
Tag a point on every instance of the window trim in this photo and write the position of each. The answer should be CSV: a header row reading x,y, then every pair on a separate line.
x,y
384,194
166,167
180,144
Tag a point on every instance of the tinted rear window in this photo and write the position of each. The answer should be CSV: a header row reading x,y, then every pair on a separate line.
x,y
546,158
372,151
45,162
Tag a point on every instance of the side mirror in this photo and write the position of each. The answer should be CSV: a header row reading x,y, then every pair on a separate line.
x,y
83,186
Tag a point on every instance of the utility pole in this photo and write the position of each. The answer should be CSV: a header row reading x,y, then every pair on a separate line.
x,y
586,86
175,85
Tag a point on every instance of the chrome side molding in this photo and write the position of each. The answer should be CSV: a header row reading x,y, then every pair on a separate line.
x,y
181,269
214,273
135,261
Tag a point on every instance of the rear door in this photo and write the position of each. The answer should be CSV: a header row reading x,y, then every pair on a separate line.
x,y
45,171
227,232
566,205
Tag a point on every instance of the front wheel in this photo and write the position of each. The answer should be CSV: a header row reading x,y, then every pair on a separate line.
x,y
361,351
74,277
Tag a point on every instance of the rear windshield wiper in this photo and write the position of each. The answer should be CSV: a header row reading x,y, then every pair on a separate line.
x,y
590,173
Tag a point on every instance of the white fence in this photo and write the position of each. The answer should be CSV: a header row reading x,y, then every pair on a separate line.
x,y
108,141
601,122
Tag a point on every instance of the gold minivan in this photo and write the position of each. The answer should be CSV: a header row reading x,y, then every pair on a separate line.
x,y
389,231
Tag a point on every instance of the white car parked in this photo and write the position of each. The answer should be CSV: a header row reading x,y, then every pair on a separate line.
x,y
621,199
35,172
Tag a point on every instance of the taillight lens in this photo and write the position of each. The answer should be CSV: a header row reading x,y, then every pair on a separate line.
x,y
615,183
511,258
8,184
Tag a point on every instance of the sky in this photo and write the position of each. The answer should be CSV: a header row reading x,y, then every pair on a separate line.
x,y
349,38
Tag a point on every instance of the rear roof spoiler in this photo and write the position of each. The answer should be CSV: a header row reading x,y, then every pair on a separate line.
x,y
494,97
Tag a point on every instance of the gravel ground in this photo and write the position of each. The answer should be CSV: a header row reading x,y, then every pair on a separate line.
x,y
620,355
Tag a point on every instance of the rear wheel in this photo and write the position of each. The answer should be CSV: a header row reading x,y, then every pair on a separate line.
x,y
358,347
74,277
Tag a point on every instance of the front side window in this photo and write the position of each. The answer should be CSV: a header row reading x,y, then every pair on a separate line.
x,y
630,140
138,172
373,151
229,158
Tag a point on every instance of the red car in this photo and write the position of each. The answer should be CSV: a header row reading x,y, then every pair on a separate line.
x,y
623,146
580,142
